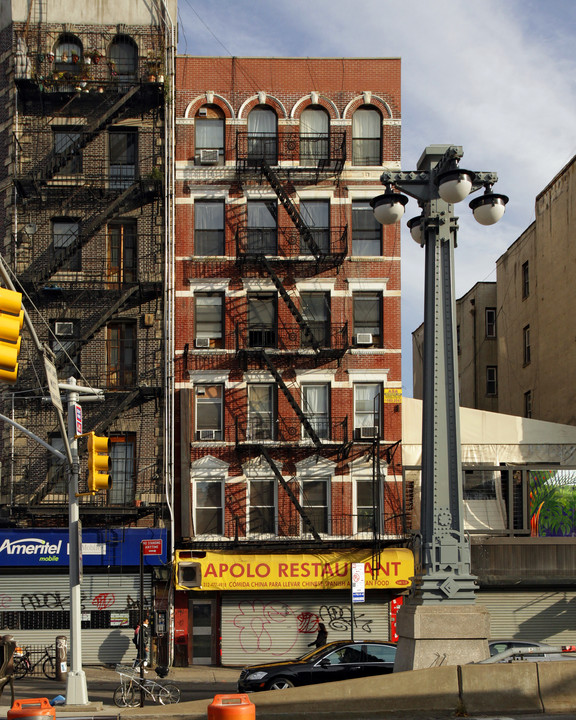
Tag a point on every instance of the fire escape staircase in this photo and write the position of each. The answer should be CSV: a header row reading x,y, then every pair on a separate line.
x,y
294,500
55,161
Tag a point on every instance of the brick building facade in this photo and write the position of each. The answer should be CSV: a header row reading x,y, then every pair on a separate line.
x,y
287,329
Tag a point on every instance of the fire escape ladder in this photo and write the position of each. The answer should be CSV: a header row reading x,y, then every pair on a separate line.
x,y
297,409
76,346
308,334
291,495
55,161
291,209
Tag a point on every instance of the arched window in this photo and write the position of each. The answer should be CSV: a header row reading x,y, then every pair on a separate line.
x,y
68,53
123,56
209,127
314,136
366,136
263,135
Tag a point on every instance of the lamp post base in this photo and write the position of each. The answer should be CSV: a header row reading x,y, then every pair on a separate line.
x,y
441,634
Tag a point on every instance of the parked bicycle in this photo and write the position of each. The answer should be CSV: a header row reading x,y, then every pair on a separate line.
x,y
127,694
23,664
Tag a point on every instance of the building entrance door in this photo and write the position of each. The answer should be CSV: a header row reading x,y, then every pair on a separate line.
x,y
203,631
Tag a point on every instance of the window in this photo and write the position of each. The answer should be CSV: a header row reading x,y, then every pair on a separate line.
x,y
491,380
123,54
367,404
65,234
122,156
209,317
528,404
315,503
262,320
209,412
316,313
262,507
209,507
122,243
525,280
314,136
366,137
526,344
209,228
261,412
64,140
316,406
367,318
123,457
316,215
262,227
209,126
366,231
262,135
490,315
121,354
68,54
367,503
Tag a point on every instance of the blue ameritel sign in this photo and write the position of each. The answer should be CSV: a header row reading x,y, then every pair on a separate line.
x,y
35,547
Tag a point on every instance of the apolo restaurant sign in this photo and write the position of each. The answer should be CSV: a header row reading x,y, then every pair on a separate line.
x,y
318,571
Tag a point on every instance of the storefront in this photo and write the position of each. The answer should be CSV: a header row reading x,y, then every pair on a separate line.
x,y
35,598
240,608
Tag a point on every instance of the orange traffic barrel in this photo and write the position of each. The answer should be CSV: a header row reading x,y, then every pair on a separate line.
x,y
31,709
231,707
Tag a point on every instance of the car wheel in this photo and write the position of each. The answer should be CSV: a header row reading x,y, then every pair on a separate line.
x,y
279,684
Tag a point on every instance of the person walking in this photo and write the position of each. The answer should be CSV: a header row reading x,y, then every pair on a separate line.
x,y
142,640
322,636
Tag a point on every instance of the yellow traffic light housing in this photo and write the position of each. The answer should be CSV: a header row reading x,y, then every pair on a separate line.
x,y
11,322
99,463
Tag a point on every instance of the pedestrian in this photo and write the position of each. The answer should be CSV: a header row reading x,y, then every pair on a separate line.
x,y
142,641
322,636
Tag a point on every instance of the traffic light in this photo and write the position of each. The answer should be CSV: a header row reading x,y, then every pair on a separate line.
x,y
11,321
99,463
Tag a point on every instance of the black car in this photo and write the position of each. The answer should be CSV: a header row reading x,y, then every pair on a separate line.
x,y
340,660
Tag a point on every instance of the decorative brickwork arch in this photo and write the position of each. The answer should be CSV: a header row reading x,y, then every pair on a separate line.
x,y
367,99
209,99
314,99
262,98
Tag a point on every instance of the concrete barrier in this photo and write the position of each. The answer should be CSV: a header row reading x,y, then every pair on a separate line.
x,y
558,686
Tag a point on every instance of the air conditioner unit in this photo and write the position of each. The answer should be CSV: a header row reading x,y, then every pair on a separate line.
x,y
203,342
208,157
207,434
64,328
364,339
368,432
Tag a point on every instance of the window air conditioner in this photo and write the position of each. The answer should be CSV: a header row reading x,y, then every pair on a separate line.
x,y
203,342
364,339
207,434
209,157
64,328
370,431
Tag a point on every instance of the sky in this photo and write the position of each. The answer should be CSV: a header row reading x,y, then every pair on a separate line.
x,y
497,77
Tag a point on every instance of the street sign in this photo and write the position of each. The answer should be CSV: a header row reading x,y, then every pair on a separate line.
x,y
151,547
358,585
52,378
78,414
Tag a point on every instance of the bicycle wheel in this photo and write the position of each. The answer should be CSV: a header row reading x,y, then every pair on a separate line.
x,y
169,694
21,668
124,696
49,668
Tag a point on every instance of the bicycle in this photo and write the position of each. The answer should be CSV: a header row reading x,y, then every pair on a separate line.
x,y
23,664
127,694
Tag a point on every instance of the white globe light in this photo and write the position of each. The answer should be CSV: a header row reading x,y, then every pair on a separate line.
x,y
455,185
415,227
488,208
388,208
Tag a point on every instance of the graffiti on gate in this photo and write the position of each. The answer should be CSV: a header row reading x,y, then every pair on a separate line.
x,y
57,601
103,601
339,618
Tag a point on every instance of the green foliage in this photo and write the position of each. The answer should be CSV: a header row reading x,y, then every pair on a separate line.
x,y
553,495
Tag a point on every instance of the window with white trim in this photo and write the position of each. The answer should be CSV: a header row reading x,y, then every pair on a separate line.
x,y
209,506
262,511
209,413
315,502
367,410
209,319
208,228
261,412
366,136
368,502
316,406
367,318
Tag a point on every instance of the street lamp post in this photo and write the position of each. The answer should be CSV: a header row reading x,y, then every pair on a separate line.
x,y
440,623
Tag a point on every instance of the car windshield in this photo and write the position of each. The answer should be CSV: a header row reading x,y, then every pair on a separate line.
x,y
311,655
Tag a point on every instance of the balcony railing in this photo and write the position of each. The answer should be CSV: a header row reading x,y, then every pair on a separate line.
x,y
289,243
255,430
290,336
318,151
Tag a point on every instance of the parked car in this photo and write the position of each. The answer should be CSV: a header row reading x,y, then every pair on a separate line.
x,y
542,652
339,660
